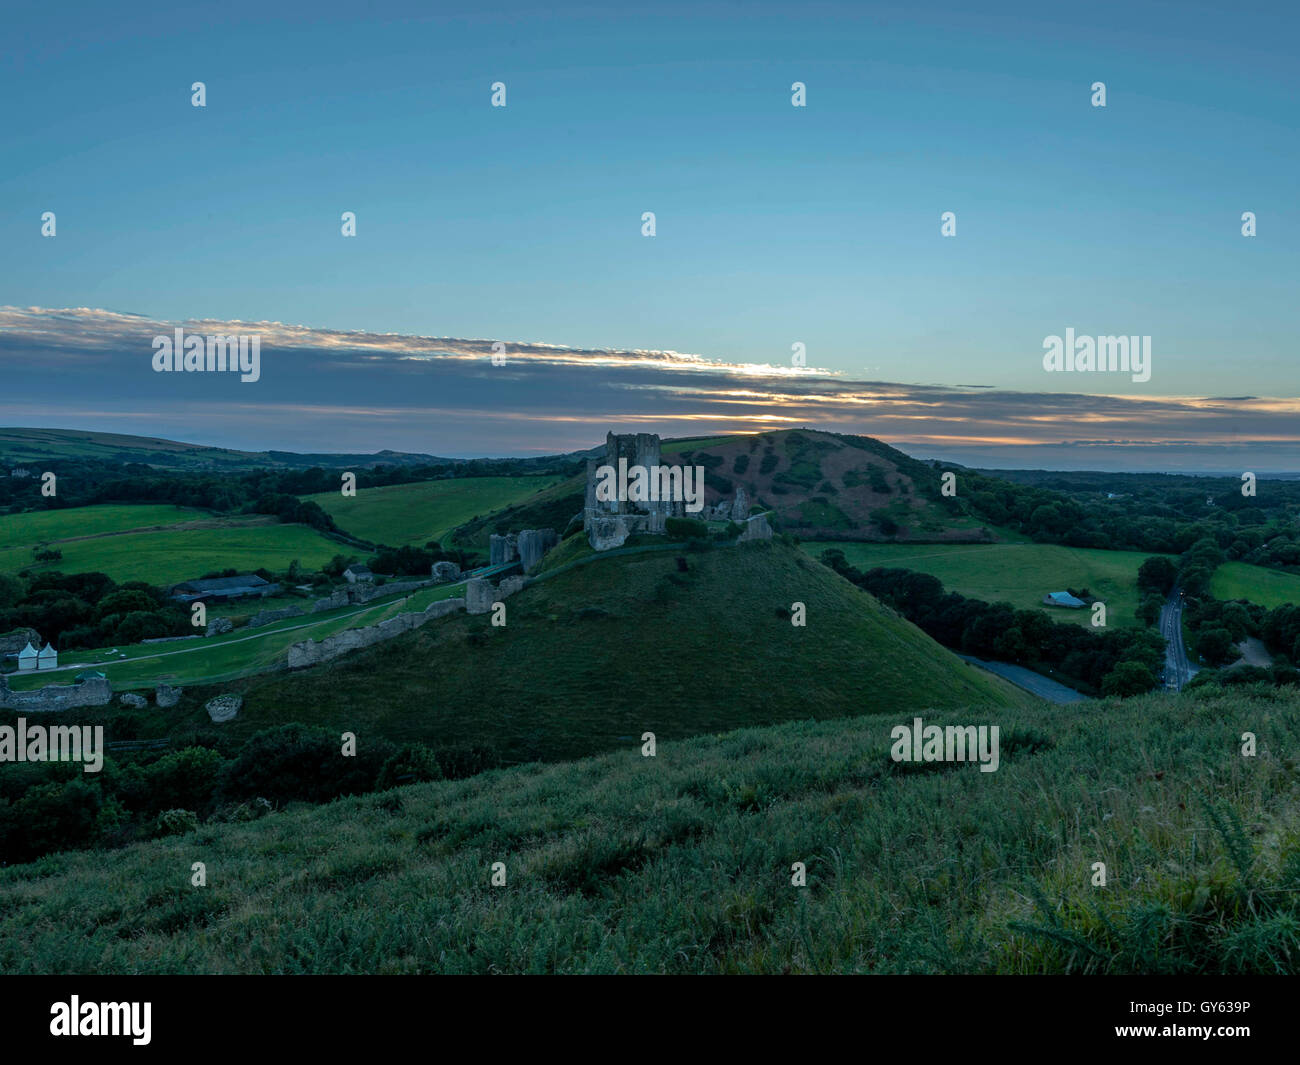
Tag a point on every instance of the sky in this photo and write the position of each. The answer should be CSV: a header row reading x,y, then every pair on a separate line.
x,y
775,225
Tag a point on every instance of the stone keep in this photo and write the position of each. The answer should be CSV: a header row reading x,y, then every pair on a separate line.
x,y
609,522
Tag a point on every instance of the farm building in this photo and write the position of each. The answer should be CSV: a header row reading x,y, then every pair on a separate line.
x,y
48,658
1063,599
27,657
220,589
353,574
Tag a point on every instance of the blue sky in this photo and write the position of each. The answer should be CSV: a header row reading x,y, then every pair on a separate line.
x,y
775,224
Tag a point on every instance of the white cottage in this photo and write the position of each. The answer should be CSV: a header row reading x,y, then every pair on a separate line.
x,y
48,658
353,574
27,657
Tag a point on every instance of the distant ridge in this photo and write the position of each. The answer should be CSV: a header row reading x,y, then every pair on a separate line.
x,y
26,445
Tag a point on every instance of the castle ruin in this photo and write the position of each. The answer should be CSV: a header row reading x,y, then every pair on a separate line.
x,y
609,522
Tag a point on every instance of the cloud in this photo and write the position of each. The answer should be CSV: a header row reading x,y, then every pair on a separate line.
x,y
326,390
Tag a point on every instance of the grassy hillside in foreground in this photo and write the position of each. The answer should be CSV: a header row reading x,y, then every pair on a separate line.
x,y
598,654
1019,574
426,510
1267,587
681,863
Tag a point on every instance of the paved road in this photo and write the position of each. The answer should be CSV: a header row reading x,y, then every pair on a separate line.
x,y
1035,683
1178,667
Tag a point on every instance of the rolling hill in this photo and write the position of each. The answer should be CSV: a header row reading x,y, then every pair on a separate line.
x,y
606,650
681,863
817,485
425,510
20,445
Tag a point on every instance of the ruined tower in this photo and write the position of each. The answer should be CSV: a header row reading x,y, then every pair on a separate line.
x,y
608,523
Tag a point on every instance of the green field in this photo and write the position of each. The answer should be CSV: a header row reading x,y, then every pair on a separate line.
x,y
34,527
427,510
1267,587
216,659
1019,574
681,863
163,558
618,645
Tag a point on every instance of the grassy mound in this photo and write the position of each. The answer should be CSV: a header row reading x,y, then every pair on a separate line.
x,y
608,649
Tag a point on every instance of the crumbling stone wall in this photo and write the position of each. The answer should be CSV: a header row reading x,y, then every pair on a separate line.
x,y
364,592
310,652
502,549
267,617
533,544
336,599
756,528
13,642
479,596
167,696
94,691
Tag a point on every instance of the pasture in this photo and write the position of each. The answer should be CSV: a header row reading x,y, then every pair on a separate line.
x,y
158,543
1267,587
1019,574
416,513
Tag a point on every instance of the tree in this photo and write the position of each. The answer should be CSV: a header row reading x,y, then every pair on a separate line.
x,y
1148,611
1128,678
1215,646
12,590
1157,574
